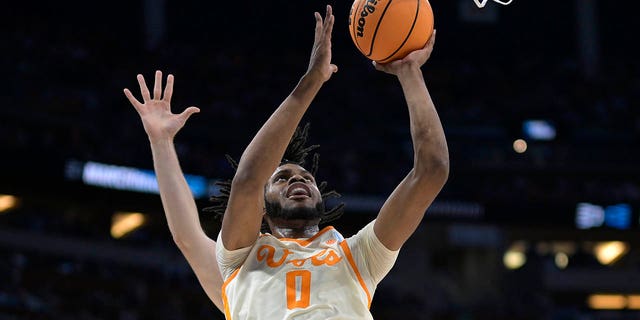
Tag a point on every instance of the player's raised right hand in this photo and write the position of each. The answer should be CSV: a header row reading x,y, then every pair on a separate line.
x,y
158,120
320,65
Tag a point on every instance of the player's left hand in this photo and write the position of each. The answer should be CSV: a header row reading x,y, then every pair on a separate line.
x,y
414,59
159,122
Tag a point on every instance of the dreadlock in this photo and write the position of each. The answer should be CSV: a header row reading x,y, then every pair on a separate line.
x,y
296,153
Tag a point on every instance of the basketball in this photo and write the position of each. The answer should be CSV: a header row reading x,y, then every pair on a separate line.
x,y
387,30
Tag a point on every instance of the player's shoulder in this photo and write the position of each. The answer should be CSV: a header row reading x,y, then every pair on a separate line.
x,y
365,234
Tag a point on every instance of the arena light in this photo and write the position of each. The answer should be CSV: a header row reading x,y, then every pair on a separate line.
x,y
539,130
8,202
562,260
607,301
589,215
610,252
514,260
520,146
128,178
123,223
515,257
633,302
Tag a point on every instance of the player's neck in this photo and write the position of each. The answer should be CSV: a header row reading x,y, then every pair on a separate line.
x,y
295,229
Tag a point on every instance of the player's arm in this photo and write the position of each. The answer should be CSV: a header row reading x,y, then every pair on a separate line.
x,y
243,216
405,208
180,208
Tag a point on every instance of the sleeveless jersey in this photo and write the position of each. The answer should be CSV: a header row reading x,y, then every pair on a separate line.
x,y
318,278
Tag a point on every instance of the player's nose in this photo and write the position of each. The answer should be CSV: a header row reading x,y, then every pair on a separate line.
x,y
296,178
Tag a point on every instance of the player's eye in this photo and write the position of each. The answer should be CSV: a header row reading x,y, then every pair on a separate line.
x,y
280,178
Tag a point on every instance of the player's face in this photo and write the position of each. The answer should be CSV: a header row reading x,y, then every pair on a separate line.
x,y
292,193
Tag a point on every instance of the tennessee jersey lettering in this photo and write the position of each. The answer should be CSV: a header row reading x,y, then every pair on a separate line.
x,y
315,278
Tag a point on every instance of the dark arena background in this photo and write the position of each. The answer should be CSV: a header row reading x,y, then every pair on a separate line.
x,y
539,101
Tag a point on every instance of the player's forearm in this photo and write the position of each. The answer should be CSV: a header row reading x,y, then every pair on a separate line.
x,y
431,155
265,151
179,206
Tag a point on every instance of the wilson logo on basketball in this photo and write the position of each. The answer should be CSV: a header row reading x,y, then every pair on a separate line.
x,y
368,8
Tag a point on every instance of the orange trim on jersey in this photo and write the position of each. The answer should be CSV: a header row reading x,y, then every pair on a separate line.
x,y
225,301
347,253
305,242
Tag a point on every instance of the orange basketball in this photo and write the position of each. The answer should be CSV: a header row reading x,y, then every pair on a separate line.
x,y
387,30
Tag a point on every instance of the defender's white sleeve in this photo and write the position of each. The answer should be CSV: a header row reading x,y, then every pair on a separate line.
x,y
230,260
369,252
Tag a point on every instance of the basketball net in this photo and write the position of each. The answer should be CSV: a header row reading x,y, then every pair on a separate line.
x,y
482,3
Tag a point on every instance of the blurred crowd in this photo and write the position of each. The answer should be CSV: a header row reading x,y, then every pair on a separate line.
x,y
65,101
44,287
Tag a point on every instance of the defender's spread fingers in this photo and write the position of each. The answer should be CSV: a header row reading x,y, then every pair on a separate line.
x,y
157,86
168,90
143,88
136,104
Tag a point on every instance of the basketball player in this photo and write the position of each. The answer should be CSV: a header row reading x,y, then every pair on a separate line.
x,y
298,271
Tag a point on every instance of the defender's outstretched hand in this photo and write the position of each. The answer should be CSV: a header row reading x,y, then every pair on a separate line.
x,y
320,64
412,60
158,120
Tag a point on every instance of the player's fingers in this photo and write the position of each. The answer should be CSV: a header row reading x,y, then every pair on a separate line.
x,y
136,104
168,90
188,112
157,86
328,17
378,66
318,30
143,88
329,27
432,40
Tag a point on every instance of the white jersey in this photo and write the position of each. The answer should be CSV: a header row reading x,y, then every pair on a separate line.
x,y
323,277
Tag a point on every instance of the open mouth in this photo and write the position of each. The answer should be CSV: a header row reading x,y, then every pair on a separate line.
x,y
298,190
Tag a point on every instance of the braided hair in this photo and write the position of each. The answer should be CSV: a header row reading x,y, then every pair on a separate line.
x,y
296,153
